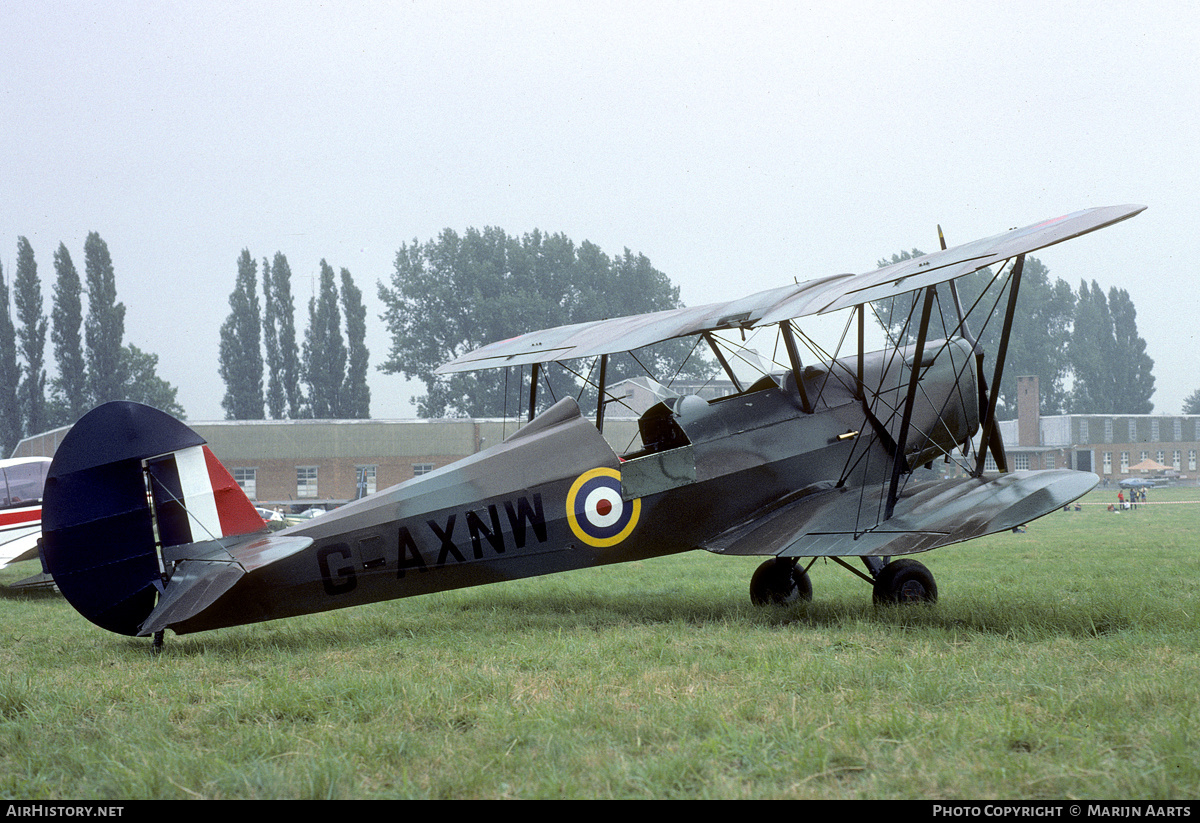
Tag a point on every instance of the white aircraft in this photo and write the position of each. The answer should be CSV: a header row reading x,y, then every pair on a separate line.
x,y
21,482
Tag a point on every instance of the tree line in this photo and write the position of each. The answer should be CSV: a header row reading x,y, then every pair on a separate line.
x,y
1083,346
458,291
94,365
452,294
323,377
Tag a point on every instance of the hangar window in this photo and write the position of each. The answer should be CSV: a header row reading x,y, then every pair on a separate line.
x,y
247,480
422,468
1108,462
306,481
365,478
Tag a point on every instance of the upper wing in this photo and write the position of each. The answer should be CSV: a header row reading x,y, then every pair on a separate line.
x,y
634,332
774,305
931,269
928,515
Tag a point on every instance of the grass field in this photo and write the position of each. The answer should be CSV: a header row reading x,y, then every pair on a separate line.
x,y
1060,663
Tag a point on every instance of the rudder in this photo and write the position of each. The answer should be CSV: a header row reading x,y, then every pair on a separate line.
x,y
126,481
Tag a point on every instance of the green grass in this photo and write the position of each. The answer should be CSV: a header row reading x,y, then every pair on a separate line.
x,y
1060,663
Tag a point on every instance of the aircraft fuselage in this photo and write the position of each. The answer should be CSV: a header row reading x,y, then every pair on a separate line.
x,y
555,496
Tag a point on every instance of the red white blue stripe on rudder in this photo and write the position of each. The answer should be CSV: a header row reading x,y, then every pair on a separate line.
x,y
216,505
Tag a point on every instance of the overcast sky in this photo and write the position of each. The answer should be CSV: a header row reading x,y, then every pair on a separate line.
x,y
739,146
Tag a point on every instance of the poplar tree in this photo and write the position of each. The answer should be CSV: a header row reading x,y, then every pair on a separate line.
x,y
105,327
116,371
241,364
275,398
324,349
10,375
69,391
1111,368
1133,379
31,336
283,358
356,395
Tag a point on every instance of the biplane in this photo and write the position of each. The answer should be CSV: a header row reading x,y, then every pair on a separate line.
x,y
825,455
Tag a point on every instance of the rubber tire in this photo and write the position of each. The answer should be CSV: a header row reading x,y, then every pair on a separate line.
x,y
780,582
905,581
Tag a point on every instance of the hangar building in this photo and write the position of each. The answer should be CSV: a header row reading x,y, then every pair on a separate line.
x,y
299,464
1110,445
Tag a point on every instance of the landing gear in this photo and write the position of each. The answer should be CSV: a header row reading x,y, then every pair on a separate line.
x,y
905,581
780,582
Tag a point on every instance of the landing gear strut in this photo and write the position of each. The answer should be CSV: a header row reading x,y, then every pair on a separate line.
x,y
780,582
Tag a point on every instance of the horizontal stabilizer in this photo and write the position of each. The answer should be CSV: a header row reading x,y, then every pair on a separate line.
x,y
203,572
928,515
195,585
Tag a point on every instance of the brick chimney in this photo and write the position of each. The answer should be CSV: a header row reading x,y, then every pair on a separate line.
x,y
1028,412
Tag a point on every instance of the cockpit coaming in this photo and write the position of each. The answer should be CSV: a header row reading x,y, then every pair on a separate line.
x,y
687,439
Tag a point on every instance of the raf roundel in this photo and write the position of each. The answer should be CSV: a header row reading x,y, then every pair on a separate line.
x,y
598,515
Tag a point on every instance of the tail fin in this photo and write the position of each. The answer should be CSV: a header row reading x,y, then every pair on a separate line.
x,y
127,481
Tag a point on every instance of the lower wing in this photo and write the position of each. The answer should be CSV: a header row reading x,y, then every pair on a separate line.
x,y
929,514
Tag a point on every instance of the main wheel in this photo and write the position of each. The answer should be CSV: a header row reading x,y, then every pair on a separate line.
x,y
905,581
779,582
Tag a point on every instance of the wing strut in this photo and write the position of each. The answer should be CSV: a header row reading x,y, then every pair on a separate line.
x,y
859,391
712,344
789,341
899,462
991,433
600,398
533,378
962,318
